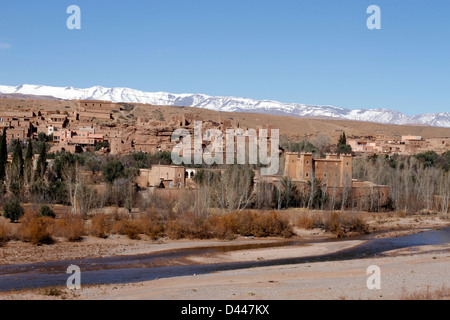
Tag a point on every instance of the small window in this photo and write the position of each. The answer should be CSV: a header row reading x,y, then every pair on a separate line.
x,y
307,174
307,162
325,175
179,175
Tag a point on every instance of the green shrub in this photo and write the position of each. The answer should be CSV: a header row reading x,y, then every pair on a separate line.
x,y
46,211
112,171
101,145
13,210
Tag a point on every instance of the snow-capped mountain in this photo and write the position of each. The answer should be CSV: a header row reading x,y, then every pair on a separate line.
x,y
229,104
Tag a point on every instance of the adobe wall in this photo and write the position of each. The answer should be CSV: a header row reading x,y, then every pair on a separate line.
x,y
166,174
97,115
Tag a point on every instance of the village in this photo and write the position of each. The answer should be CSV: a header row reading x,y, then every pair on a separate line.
x,y
407,145
110,188
92,128
207,154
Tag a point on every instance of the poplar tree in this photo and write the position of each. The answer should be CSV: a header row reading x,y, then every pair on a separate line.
x,y
41,166
18,161
28,163
29,152
3,155
343,147
342,139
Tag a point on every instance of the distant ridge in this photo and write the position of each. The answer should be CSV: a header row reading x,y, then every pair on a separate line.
x,y
25,96
229,104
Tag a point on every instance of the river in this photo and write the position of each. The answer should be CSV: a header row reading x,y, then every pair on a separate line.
x,y
138,268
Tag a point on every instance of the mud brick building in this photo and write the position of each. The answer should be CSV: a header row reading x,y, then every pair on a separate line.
x,y
74,140
365,147
57,120
19,125
407,145
165,177
101,110
334,170
334,175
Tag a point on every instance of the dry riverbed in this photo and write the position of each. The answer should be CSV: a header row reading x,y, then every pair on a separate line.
x,y
403,277
411,272
416,273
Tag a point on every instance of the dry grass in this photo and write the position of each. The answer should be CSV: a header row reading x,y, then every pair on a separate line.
x,y
151,226
35,229
4,232
100,226
305,222
228,226
70,227
189,226
339,223
266,224
42,230
127,227
38,231
442,293
52,292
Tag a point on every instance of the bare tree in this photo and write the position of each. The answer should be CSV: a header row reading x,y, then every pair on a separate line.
x,y
71,176
232,190
322,143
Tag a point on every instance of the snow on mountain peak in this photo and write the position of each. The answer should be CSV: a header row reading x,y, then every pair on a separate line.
x,y
229,104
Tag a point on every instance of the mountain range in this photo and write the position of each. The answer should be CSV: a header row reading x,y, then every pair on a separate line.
x,y
227,104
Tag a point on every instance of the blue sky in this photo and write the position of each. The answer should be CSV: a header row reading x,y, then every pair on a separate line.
x,y
305,51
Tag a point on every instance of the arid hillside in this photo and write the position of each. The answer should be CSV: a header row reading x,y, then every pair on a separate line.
x,y
289,126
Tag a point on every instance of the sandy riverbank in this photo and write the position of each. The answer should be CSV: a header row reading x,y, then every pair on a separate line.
x,y
402,277
411,273
297,251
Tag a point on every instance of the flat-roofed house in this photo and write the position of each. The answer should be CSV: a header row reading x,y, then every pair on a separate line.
x,y
102,110
57,120
163,176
